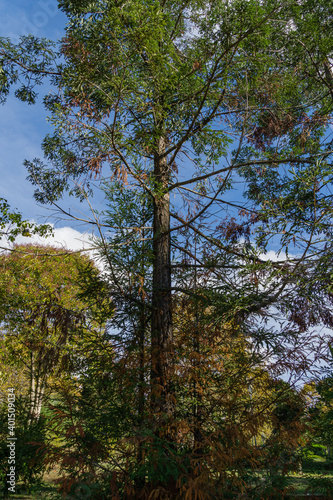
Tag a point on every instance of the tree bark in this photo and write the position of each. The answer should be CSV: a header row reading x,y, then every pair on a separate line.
x,y
140,481
161,333
32,388
36,390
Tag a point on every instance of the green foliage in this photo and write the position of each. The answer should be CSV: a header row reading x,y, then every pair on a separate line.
x,y
321,483
321,413
39,292
46,327
12,224
175,104
25,65
31,438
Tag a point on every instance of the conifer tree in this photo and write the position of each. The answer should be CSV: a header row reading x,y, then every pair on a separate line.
x,y
218,113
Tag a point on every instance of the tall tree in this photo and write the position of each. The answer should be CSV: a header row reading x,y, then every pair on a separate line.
x,y
187,101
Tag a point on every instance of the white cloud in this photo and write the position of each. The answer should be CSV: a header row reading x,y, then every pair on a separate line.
x,y
279,257
274,257
64,237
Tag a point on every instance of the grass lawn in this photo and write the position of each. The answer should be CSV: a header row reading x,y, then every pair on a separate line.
x,y
297,485
319,479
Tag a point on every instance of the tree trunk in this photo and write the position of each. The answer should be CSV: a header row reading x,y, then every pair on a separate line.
x,y
39,399
37,385
161,334
140,481
32,388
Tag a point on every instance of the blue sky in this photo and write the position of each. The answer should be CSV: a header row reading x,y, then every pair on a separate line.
x,y
23,127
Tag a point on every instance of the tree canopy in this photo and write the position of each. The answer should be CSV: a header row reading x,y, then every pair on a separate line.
x,y
207,127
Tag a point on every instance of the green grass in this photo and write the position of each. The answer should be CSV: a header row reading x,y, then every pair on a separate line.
x,y
297,485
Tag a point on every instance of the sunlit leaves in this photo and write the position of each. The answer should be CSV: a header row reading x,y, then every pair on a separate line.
x,y
25,66
12,224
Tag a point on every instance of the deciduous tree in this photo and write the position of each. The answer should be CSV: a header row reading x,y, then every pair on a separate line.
x,y
44,322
